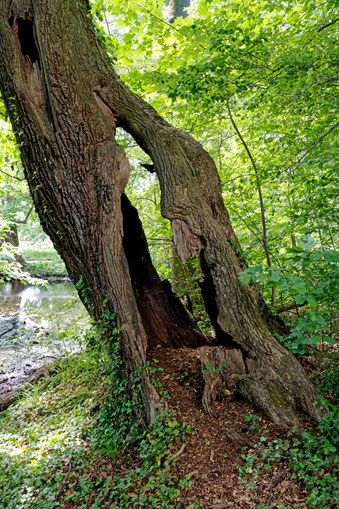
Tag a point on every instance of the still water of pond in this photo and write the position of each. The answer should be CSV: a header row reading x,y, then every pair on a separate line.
x,y
34,321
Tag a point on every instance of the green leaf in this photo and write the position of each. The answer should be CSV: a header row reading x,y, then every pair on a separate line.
x,y
311,300
299,299
332,256
329,340
320,320
300,286
245,277
314,340
276,276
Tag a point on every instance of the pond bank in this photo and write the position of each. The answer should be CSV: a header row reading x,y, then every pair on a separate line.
x,y
38,325
52,279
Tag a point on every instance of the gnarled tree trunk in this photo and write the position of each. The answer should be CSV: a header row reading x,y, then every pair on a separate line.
x,y
65,102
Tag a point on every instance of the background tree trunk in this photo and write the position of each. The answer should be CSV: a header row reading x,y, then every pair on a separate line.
x,y
65,102
176,9
12,235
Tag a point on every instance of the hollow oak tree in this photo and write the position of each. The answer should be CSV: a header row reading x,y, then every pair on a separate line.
x,y
65,102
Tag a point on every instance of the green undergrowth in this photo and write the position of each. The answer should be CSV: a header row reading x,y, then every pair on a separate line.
x,y
150,482
312,454
74,438
327,380
43,262
43,432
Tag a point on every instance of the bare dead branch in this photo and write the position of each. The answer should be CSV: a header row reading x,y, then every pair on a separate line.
x,y
24,221
12,176
289,307
328,25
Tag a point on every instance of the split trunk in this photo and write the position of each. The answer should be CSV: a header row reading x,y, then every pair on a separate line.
x,y
65,102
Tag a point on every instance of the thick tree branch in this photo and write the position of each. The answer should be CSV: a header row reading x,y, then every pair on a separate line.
x,y
176,9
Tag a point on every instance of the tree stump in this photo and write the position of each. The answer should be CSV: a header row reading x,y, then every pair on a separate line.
x,y
217,365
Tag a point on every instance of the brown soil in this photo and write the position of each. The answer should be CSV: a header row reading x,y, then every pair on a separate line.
x,y
217,446
214,451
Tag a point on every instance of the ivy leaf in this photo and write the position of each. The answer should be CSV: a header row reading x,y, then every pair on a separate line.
x,y
314,340
329,340
320,320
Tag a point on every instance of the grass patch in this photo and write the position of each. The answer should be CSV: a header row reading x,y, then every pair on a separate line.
x,y
73,438
43,432
43,261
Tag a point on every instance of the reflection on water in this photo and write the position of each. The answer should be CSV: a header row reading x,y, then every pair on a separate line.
x,y
44,305
34,320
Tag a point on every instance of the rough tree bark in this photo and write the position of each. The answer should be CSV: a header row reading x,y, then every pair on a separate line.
x,y
65,101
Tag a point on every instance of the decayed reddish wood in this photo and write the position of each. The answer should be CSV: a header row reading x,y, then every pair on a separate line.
x,y
186,243
214,380
165,319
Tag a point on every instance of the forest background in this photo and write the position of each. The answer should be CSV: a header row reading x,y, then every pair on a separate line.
x,y
257,84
